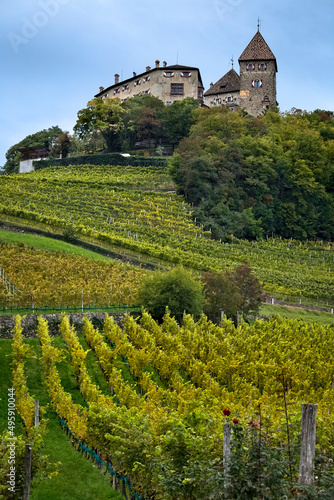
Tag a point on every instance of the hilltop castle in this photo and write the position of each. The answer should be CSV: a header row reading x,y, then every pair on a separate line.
x,y
254,89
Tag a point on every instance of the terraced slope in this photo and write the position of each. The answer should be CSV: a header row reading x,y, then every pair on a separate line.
x,y
131,209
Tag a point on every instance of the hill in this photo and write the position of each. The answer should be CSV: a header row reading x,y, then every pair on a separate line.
x,y
134,210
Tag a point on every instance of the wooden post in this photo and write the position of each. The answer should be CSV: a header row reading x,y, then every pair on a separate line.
x,y
124,489
36,412
221,317
227,447
307,450
27,475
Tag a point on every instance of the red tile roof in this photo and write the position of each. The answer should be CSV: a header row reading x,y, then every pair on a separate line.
x,y
257,50
227,83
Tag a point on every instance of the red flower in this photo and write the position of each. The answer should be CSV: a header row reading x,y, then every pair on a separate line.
x,y
235,421
226,412
253,423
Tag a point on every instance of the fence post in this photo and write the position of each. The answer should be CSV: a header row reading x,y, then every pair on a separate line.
x,y
307,449
36,412
27,475
227,448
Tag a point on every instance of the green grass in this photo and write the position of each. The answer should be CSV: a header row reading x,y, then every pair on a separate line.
x,y
78,478
297,312
93,368
50,244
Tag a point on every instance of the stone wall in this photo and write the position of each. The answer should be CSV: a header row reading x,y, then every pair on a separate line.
x,y
253,99
29,322
158,85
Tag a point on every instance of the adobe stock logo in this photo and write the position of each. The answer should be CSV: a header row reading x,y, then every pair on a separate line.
x,y
224,7
31,27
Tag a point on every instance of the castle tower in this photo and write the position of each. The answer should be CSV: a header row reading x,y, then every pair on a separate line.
x,y
258,68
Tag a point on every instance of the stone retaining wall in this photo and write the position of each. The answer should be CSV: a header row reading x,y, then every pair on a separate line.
x,y
29,322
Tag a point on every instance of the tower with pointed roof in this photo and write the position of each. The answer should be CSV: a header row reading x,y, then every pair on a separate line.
x,y
255,88
258,68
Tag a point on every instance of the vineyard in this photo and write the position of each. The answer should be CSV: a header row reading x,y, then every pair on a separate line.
x,y
158,424
135,210
32,277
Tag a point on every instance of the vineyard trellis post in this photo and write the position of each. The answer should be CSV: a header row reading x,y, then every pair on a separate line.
x,y
227,448
36,417
27,475
308,437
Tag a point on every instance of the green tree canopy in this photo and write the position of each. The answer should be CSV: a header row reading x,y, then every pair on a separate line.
x,y
44,139
104,115
176,289
178,118
232,292
250,176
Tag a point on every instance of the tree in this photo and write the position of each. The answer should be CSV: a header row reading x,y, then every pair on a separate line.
x,y
252,176
148,125
142,119
176,289
104,115
62,145
222,294
232,292
249,288
178,119
43,139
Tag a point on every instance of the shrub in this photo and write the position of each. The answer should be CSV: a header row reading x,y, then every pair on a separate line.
x,y
177,289
232,292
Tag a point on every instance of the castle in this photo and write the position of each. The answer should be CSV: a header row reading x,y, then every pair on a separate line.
x,y
254,89
168,83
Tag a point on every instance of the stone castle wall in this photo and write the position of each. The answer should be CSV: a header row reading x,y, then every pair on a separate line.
x,y
255,99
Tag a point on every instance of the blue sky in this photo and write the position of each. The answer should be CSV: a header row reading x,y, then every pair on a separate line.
x,y
56,53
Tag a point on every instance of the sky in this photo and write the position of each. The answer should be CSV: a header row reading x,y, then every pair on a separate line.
x,y
55,54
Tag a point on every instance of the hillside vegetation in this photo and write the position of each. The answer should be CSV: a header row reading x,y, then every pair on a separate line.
x,y
117,206
258,176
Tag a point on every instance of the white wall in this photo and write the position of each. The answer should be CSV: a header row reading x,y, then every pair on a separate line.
x,y
26,166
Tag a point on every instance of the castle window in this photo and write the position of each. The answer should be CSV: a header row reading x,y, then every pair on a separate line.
x,y
256,83
266,98
262,67
250,67
177,88
168,103
229,99
169,74
218,100
185,74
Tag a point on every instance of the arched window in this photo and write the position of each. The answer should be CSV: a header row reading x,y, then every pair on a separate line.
x,y
256,83
250,67
262,66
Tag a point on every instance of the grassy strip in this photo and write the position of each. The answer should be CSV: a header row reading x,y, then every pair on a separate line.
x,y
50,244
134,258
6,358
298,313
78,478
93,368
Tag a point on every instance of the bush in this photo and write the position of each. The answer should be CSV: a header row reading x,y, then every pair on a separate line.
x,y
232,292
176,289
101,159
